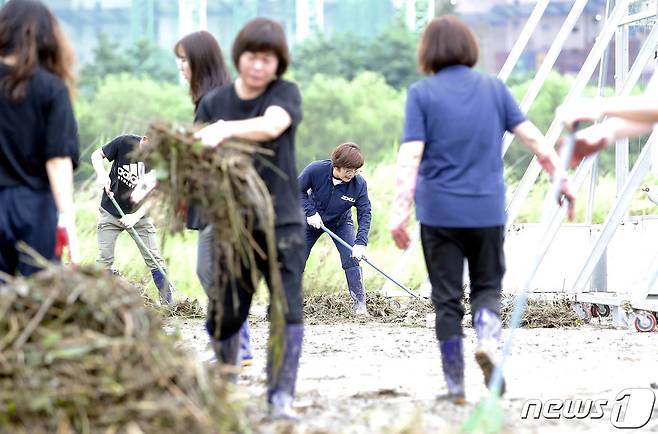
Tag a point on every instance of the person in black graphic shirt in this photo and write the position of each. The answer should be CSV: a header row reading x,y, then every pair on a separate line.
x,y
119,184
38,137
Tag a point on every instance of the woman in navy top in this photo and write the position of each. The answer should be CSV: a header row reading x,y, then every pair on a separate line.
x,y
451,156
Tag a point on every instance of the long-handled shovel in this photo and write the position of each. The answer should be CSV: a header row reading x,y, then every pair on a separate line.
x,y
367,261
135,236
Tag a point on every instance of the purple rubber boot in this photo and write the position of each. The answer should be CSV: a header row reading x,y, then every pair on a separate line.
x,y
281,390
452,364
488,329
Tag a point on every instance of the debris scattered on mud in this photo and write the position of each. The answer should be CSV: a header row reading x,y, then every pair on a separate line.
x,y
185,308
337,307
543,313
180,308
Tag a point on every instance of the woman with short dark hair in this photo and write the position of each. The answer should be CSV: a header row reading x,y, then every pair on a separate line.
x,y
262,107
329,189
38,136
451,161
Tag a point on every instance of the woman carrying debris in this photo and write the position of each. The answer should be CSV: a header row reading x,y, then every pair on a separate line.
x,y
201,64
451,159
38,137
329,189
260,106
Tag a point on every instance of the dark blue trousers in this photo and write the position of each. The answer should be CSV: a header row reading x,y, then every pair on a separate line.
x,y
30,216
345,231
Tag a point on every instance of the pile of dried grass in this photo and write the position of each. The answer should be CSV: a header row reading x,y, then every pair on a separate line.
x,y
337,307
79,352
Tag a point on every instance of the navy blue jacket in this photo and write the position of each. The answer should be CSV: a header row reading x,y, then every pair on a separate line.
x,y
334,202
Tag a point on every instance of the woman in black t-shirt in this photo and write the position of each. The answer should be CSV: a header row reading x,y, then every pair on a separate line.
x,y
38,136
262,107
201,64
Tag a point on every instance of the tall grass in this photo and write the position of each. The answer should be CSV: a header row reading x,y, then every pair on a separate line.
x,y
323,272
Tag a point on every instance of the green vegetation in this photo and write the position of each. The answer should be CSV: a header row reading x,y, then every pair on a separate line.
x,y
323,271
141,59
354,94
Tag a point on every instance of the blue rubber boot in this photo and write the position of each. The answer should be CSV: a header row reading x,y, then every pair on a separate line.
x,y
245,356
281,390
163,286
354,276
452,364
488,328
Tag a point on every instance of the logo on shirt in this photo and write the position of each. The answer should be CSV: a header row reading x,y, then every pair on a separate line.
x,y
348,199
129,174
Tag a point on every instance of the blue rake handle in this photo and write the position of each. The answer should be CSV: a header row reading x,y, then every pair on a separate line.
x,y
382,272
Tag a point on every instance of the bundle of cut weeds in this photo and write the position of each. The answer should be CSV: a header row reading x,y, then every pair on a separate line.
x,y
80,352
223,184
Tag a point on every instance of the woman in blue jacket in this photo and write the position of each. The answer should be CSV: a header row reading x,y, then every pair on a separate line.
x,y
329,189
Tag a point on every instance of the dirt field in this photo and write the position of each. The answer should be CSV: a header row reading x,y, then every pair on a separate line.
x,y
383,378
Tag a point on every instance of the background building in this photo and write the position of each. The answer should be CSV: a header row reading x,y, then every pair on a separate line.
x,y
497,23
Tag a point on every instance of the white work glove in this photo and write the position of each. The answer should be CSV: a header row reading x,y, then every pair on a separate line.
x,y
103,181
130,220
315,221
358,252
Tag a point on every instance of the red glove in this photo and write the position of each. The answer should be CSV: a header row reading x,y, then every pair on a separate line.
x,y
66,236
61,241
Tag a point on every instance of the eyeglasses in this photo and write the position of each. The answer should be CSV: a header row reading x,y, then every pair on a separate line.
x,y
349,171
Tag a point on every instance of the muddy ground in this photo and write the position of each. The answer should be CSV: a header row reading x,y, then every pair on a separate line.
x,y
373,377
